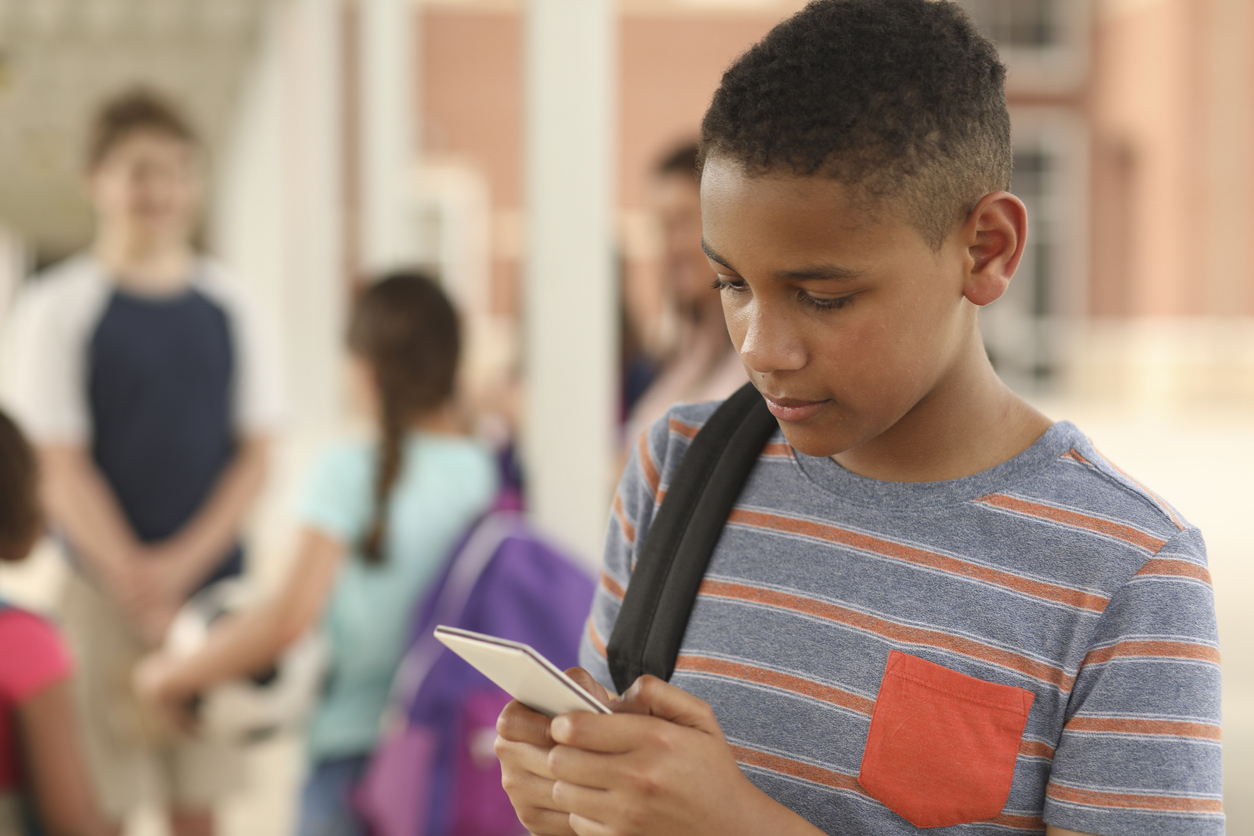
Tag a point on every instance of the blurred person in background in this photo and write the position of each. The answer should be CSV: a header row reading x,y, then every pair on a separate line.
x,y
378,520
702,364
44,783
139,373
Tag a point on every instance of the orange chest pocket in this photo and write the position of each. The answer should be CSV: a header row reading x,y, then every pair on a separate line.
x,y
942,745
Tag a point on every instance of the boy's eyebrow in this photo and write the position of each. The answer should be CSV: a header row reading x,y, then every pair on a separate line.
x,y
817,271
709,251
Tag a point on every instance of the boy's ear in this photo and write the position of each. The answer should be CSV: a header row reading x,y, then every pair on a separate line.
x,y
995,233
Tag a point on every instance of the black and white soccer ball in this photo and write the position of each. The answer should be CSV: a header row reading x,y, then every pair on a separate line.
x,y
259,707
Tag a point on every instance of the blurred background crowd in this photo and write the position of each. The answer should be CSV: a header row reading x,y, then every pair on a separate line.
x,y
535,155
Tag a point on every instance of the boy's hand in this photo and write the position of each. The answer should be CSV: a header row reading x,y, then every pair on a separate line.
x,y
165,572
151,680
658,765
522,746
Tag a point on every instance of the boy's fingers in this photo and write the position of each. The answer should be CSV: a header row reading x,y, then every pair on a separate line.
x,y
596,770
522,758
585,681
532,798
581,826
609,734
529,791
650,695
547,822
522,725
587,803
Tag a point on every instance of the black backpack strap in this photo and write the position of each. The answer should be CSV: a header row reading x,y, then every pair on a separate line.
x,y
673,559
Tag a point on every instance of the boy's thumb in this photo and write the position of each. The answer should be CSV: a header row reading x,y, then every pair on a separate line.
x,y
650,695
584,680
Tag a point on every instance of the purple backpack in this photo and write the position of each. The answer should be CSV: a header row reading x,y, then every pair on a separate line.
x,y
434,772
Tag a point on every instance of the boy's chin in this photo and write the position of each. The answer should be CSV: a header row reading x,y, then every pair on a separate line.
x,y
811,441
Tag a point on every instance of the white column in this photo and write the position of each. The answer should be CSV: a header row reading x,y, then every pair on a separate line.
x,y
388,129
570,287
278,217
13,267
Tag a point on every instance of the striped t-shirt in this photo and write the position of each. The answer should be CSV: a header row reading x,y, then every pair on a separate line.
x,y
1051,594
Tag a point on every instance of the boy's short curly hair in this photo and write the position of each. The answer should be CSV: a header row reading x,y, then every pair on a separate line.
x,y
131,112
896,98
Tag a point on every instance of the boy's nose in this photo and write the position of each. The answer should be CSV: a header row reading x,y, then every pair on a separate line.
x,y
769,345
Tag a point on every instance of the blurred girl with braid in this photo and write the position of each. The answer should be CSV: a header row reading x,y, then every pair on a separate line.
x,y
378,520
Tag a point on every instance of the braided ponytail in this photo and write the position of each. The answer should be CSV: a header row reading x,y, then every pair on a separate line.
x,y
392,426
406,330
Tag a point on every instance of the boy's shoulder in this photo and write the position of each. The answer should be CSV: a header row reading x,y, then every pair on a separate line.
x,y
1062,478
66,282
59,304
1096,484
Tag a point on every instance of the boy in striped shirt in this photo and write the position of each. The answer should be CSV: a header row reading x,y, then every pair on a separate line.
x,y
932,606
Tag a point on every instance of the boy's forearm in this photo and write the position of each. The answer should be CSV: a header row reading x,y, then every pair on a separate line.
x,y
80,502
244,644
202,542
766,815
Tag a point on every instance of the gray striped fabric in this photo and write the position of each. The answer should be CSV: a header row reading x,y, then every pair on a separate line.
x,y
1054,573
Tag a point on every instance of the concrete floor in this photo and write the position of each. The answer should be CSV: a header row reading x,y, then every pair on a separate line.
x,y
1201,462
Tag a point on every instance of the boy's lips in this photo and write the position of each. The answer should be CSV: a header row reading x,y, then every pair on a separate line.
x,y
793,410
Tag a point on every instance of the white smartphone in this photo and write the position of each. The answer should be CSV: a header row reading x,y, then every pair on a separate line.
x,y
522,672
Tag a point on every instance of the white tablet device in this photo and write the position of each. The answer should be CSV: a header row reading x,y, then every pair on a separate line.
x,y
524,674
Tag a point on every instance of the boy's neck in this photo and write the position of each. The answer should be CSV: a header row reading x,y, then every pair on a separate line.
x,y
151,269
969,424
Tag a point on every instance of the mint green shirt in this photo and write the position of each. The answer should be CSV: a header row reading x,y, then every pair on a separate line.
x,y
446,482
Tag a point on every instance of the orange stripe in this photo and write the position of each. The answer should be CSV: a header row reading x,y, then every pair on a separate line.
x,y
689,432
891,631
646,464
797,769
1075,454
775,679
1075,519
1152,649
1128,801
1035,749
1163,506
1019,822
629,530
1128,725
612,586
686,430
921,557
597,644
1166,567
849,783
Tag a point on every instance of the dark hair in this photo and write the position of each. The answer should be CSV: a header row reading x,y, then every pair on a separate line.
x,y
136,110
895,98
20,517
679,160
406,329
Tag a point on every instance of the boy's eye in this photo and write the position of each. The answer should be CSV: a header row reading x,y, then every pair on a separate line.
x,y
735,285
817,304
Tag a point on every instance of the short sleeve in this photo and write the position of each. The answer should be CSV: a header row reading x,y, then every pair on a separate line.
x,y
630,517
1140,749
336,496
44,379
32,656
